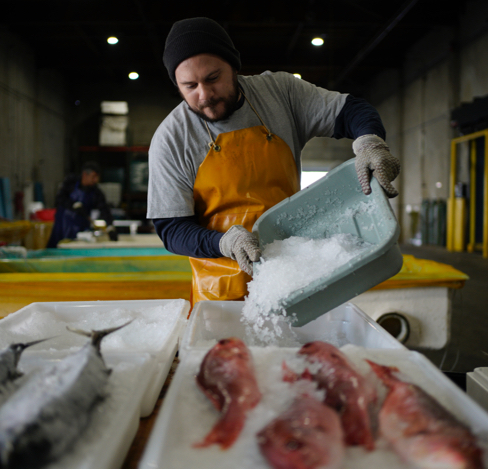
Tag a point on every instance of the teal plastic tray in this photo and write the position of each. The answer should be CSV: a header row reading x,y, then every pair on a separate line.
x,y
335,204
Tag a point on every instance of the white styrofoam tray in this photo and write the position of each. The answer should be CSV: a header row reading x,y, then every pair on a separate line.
x,y
155,331
115,420
176,428
211,321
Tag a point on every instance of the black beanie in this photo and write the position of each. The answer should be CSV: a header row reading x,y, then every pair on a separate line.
x,y
195,36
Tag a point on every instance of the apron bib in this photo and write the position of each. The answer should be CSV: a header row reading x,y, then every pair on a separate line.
x,y
245,173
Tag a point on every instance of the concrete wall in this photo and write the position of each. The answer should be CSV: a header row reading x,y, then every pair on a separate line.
x,y
41,127
43,121
149,104
447,67
32,120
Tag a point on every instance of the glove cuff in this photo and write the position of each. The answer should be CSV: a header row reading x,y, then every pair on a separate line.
x,y
228,239
368,141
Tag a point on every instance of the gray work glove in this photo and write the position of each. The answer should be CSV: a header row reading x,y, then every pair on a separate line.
x,y
241,246
373,157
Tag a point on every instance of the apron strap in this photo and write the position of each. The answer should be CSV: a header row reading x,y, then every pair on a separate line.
x,y
217,148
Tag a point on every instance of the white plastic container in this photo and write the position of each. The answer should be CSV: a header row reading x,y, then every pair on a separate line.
x,y
426,309
50,319
187,415
211,321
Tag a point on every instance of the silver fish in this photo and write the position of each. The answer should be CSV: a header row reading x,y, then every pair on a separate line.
x,y
45,417
9,359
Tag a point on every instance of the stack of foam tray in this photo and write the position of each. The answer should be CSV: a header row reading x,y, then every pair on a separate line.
x,y
187,415
140,356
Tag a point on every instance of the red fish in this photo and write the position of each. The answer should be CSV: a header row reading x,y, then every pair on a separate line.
x,y
421,431
227,378
307,435
346,390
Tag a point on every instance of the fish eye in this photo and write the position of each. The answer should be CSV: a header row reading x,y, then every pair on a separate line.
x,y
293,444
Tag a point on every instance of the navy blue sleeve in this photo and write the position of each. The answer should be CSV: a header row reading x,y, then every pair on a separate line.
x,y
184,236
358,118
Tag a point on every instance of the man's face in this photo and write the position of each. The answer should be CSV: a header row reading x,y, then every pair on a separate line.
x,y
208,84
89,178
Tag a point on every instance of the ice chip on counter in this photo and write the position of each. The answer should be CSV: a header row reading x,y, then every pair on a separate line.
x,y
288,266
149,328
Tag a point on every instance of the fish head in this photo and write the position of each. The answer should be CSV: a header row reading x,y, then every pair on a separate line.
x,y
17,350
282,448
231,347
320,351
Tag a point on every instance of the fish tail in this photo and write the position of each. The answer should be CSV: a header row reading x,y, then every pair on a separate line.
x,y
32,343
226,431
97,335
385,373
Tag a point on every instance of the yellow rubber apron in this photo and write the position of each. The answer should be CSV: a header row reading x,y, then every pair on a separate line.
x,y
244,173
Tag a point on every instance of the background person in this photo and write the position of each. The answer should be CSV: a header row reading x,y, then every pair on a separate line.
x,y
75,200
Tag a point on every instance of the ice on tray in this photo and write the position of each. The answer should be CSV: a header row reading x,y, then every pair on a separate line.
x,y
325,218
149,329
177,427
288,266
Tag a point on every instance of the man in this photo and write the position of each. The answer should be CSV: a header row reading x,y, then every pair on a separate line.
x,y
231,150
74,203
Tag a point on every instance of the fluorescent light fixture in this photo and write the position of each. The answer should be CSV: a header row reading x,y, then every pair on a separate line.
x,y
133,75
309,177
297,75
317,41
112,40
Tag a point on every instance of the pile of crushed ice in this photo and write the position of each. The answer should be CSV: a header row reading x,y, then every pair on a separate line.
x,y
149,327
288,266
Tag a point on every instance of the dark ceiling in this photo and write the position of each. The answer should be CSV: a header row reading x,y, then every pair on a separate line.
x,y
362,38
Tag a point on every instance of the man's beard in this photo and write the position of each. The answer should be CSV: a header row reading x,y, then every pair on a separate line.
x,y
230,104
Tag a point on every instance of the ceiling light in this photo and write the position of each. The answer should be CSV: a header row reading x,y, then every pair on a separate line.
x,y
317,41
297,75
112,40
133,75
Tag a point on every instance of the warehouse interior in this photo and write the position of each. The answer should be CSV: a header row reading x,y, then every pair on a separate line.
x,y
68,96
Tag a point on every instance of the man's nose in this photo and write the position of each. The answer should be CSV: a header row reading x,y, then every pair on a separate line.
x,y
206,92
